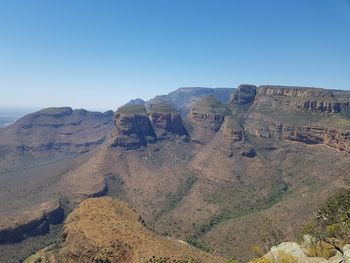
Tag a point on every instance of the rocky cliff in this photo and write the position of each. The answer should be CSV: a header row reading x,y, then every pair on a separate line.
x,y
208,113
33,222
307,115
136,126
133,127
166,120
244,94
301,98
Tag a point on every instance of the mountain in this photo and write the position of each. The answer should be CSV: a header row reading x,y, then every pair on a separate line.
x,y
106,230
210,177
184,98
57,129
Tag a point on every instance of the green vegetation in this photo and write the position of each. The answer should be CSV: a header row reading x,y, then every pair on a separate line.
x,y
162,108
174,199
193,241
132,109
211,105
331,224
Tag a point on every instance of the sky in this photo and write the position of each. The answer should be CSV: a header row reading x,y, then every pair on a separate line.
x,y
98,55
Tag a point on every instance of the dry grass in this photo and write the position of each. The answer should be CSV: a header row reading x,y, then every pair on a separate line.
x,y
106,229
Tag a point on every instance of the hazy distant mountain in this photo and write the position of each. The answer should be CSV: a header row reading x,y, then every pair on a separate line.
x,y
184,98
137,101
57,129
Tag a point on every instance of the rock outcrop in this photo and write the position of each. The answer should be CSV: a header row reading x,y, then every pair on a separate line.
x,y
136,126
33,222
293,252
244,94
208,113
133,127
301,98
166,120
316,135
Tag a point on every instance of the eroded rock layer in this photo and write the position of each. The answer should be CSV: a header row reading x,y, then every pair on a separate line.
x,y
33,222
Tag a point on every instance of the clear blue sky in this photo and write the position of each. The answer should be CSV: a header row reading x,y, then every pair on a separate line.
x,y
99,54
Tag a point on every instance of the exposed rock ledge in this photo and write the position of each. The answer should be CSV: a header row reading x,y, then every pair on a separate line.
x,y
339,139
314,105
31,223
208,113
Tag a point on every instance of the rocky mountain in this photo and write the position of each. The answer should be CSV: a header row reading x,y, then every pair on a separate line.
x,y
208,178
136,126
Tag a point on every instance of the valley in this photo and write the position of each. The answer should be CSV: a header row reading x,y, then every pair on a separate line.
x,y
200,165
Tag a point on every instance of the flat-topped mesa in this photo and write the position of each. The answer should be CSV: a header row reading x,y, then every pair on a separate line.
x,y
307,134
133,127
209,113
166,120
244,94
291,91
303,98
334,138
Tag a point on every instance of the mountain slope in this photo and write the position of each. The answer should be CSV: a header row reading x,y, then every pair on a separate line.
x,y
106,230
271,151
56,130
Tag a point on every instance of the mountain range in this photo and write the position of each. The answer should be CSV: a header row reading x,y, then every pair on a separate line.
x,y
201,166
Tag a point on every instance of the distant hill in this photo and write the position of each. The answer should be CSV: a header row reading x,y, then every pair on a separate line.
x,y
57,129
184,98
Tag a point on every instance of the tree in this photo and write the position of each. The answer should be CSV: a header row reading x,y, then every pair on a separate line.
x,y
331,223
269,235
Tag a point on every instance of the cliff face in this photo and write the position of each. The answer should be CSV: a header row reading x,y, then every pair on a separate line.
x,y
168,122
311,99
244,94
302,92
136,126
133,127
307,115
316,135
209,121
208,113
34,222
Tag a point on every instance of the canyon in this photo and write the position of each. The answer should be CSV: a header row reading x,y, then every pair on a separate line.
x,y
199,165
